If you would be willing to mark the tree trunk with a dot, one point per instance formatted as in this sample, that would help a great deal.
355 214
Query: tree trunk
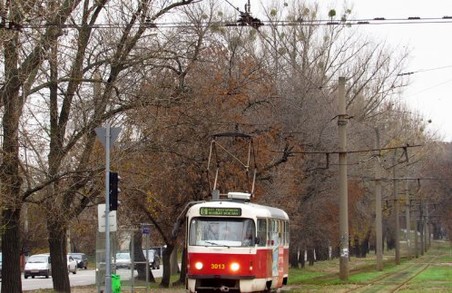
11 275
174 262
183 268
167 266
356 248
321 252
311 259
138 256
293 258
57 246
10 180
365 245
302 258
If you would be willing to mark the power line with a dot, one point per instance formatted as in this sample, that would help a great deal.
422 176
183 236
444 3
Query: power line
7 24
424 70
435 68
355 151
431 87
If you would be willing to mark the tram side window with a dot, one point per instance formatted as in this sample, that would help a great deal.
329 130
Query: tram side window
286 232
262 232
282 232
278 231
273 232
248 233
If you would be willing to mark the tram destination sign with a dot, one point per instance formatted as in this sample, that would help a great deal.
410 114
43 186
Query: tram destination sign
209 211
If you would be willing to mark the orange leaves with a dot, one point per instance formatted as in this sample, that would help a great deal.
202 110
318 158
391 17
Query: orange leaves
360 219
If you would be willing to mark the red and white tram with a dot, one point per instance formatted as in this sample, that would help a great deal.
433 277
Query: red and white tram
236 246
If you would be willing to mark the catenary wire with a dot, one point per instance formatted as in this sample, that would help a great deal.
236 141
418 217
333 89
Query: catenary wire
322 22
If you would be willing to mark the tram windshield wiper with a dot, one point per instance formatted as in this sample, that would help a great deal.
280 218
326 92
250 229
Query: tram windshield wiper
212 243
215 244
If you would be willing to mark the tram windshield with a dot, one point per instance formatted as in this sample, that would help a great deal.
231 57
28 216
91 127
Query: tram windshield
206 231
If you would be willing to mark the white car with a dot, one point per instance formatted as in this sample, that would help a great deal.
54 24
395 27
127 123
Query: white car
123 260
71 265
38 265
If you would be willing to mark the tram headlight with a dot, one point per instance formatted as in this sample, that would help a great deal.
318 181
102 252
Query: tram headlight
198 265
235 266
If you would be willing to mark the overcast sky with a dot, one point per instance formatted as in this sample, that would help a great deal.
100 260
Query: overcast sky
430 89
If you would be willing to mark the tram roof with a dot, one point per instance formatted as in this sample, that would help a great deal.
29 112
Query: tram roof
248 208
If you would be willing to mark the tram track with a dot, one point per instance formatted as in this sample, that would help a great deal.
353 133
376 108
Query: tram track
394 281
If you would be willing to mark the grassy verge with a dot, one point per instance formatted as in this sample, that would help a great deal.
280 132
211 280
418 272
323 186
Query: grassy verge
324 276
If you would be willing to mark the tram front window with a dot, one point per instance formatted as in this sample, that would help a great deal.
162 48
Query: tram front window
222 232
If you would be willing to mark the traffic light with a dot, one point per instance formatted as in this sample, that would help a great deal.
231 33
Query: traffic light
113 191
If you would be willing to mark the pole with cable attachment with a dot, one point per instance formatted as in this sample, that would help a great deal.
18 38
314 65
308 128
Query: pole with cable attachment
343 188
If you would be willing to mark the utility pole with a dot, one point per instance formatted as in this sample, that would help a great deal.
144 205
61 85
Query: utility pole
407 218
378 208
343 188
421 226
396 212
427 229
416 243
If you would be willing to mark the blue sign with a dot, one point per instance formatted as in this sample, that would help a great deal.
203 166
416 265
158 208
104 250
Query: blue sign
146 230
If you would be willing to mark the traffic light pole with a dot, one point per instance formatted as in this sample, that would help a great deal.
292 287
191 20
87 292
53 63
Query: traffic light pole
107 136
107 211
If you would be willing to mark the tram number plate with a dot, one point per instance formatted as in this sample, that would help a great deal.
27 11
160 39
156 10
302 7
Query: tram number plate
217 266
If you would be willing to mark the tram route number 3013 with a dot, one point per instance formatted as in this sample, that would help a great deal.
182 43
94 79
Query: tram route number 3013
217 266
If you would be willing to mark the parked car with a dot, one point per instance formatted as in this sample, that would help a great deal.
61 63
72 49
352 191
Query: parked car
38 265
71 265
81 259
123 260
154 258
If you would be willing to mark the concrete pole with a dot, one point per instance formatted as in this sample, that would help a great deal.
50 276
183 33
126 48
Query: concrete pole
416 240
378 207
424 226
396 212
343 188
421 227
407 218
427 229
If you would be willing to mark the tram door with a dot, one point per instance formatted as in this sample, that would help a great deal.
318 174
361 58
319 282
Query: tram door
277 245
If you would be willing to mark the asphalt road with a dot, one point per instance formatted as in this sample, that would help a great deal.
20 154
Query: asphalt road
82 278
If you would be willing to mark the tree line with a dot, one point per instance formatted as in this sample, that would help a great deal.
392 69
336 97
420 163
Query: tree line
71 66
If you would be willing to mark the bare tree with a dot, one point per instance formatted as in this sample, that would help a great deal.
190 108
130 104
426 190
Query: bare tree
20 69
306 61
68 38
